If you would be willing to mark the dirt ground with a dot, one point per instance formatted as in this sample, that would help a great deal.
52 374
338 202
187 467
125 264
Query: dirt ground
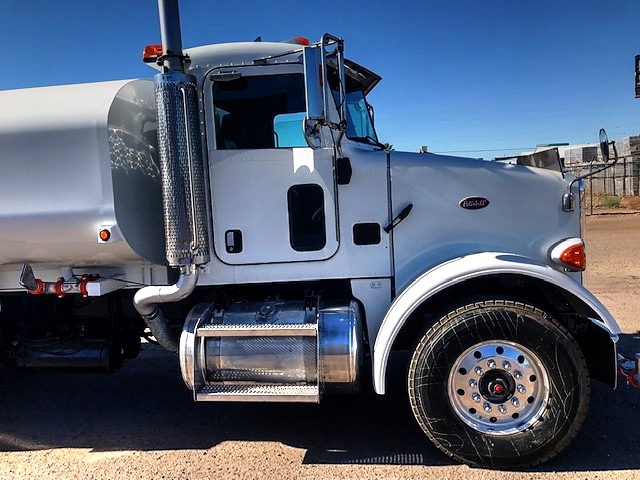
613 258
142 422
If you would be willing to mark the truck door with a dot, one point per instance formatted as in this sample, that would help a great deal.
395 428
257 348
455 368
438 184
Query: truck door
273 197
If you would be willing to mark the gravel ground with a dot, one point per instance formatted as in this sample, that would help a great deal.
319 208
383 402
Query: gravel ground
142 422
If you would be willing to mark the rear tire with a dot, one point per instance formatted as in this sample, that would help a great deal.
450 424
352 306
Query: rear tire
498 384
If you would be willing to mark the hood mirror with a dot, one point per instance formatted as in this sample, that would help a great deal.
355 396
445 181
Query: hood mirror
604 145
568 201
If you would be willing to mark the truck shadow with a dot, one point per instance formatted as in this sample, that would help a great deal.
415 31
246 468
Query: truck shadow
147 407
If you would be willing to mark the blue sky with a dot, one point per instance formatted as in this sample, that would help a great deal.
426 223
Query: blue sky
473 78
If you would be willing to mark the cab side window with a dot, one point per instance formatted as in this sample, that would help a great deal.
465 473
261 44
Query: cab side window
259 111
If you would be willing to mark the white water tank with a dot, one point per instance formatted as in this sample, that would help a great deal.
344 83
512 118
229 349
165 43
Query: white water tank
73 159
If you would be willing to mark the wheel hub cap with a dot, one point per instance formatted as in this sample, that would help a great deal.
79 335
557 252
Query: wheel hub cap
498 387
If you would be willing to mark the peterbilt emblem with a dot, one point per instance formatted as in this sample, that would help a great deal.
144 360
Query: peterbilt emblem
474 203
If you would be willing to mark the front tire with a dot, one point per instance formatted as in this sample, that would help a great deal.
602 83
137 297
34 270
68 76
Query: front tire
498 384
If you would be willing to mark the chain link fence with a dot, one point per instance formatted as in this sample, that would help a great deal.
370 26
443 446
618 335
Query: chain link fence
608 188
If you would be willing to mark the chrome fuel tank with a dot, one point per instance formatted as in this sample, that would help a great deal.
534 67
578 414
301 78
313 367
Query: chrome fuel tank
234 353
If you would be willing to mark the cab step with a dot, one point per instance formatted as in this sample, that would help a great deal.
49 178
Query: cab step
250 330
258 393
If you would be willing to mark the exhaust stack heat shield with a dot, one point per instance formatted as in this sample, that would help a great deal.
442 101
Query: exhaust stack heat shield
182 169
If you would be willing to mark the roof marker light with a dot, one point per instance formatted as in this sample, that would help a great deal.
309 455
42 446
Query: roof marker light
151 53
297 40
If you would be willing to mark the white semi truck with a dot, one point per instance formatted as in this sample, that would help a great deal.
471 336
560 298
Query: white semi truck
240 211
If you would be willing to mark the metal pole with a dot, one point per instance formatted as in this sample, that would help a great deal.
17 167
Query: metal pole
624 177
613 180
636 175
173 58
591 192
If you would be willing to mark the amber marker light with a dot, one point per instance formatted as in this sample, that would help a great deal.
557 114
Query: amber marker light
570 254
151 53
574 257
104 235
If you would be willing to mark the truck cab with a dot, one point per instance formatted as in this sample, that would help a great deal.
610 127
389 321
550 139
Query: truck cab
300 252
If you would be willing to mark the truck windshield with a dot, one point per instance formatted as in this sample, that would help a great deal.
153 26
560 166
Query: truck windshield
259 111
359 121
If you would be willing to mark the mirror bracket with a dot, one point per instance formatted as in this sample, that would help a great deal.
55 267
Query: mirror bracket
568 202
568 198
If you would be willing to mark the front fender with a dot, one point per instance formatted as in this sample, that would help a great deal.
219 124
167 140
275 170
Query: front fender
459 270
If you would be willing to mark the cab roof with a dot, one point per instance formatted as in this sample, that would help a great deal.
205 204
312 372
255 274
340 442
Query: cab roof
266 53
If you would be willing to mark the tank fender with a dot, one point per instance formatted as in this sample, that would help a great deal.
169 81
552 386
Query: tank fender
465 268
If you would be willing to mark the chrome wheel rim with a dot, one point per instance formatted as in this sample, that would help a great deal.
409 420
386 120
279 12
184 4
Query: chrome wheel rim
498 387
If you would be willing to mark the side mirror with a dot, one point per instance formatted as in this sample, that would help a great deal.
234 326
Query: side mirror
314 83
314 92
604 145
317 91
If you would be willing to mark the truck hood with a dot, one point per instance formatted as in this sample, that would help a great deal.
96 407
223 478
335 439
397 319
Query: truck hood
463 206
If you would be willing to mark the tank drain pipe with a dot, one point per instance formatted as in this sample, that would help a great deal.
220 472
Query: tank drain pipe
146 302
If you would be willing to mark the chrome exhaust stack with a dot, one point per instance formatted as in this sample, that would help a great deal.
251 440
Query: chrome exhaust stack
182 170
183 179
172 57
